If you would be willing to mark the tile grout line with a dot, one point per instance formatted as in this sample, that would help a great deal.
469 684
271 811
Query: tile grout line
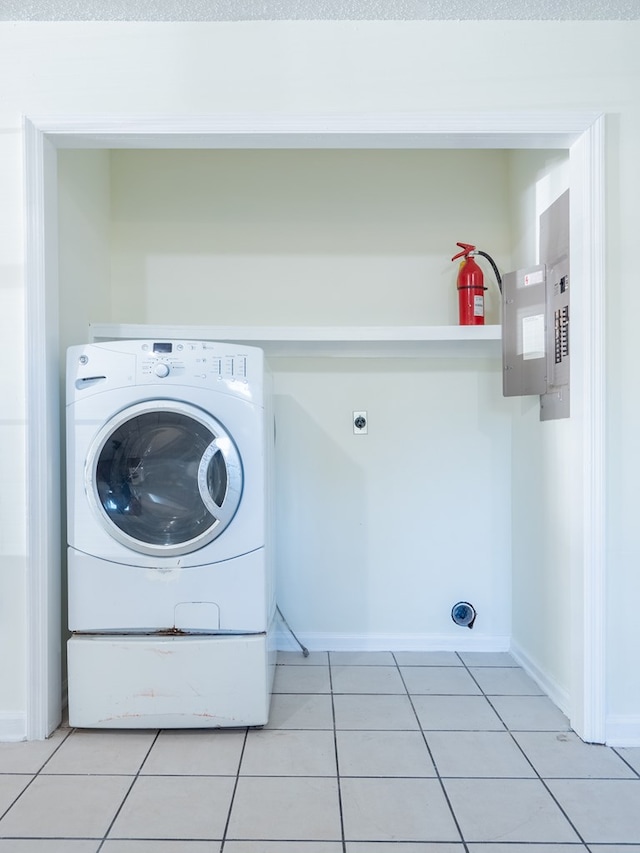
126 796
527 759
34 776
545 731
623 759
335 746
435 766
62 742
233 793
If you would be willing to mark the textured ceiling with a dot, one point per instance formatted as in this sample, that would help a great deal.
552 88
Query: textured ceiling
247 10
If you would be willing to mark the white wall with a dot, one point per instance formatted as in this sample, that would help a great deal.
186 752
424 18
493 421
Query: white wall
301 237
541 466
84 238
313 68
84 226
379 535
13 518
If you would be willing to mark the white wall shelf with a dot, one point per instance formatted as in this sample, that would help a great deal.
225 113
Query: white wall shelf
326 341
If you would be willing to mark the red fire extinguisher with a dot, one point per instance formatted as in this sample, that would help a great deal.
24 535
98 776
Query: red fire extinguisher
470 286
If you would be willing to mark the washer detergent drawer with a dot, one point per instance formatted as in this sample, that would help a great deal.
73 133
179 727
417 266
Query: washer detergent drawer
169 682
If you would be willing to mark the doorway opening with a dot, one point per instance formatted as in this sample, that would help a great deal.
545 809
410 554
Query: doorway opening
582 135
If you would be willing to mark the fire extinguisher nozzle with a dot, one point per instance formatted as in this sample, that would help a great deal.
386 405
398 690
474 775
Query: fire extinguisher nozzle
467 249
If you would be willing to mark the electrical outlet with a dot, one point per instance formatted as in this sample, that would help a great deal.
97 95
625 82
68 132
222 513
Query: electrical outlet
360 423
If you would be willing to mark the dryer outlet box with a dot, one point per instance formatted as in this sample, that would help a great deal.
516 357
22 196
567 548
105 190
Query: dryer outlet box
360 423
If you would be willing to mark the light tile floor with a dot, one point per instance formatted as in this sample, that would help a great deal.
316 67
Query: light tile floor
364 753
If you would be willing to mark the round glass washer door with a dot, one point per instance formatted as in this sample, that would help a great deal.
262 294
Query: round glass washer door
164 478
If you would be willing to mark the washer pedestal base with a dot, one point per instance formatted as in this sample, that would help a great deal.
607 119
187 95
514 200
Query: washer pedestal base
191 681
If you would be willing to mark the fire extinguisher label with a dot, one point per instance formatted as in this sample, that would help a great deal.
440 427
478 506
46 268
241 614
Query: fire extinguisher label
478 306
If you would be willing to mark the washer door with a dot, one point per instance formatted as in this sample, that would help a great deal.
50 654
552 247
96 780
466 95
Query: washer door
163 478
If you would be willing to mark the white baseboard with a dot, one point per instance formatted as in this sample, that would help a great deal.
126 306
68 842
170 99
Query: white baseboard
558 695
622 730
13 726
330 642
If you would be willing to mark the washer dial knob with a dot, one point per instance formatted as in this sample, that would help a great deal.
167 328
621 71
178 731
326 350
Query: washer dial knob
161 370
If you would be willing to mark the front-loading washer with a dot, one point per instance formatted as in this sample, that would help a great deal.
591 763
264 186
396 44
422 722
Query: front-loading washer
169 514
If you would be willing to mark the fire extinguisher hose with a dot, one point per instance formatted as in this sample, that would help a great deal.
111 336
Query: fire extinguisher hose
495 268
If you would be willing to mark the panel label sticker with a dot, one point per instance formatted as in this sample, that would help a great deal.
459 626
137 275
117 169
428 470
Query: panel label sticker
533 337
536 277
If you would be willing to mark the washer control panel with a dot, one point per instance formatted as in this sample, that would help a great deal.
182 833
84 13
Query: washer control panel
160 360
163 366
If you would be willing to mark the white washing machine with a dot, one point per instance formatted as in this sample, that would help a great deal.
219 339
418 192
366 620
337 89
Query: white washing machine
170 572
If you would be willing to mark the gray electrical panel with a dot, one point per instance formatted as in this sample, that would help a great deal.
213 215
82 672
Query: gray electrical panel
524 348
535 320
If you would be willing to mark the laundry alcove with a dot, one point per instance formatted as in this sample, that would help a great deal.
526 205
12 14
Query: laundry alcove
446 498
